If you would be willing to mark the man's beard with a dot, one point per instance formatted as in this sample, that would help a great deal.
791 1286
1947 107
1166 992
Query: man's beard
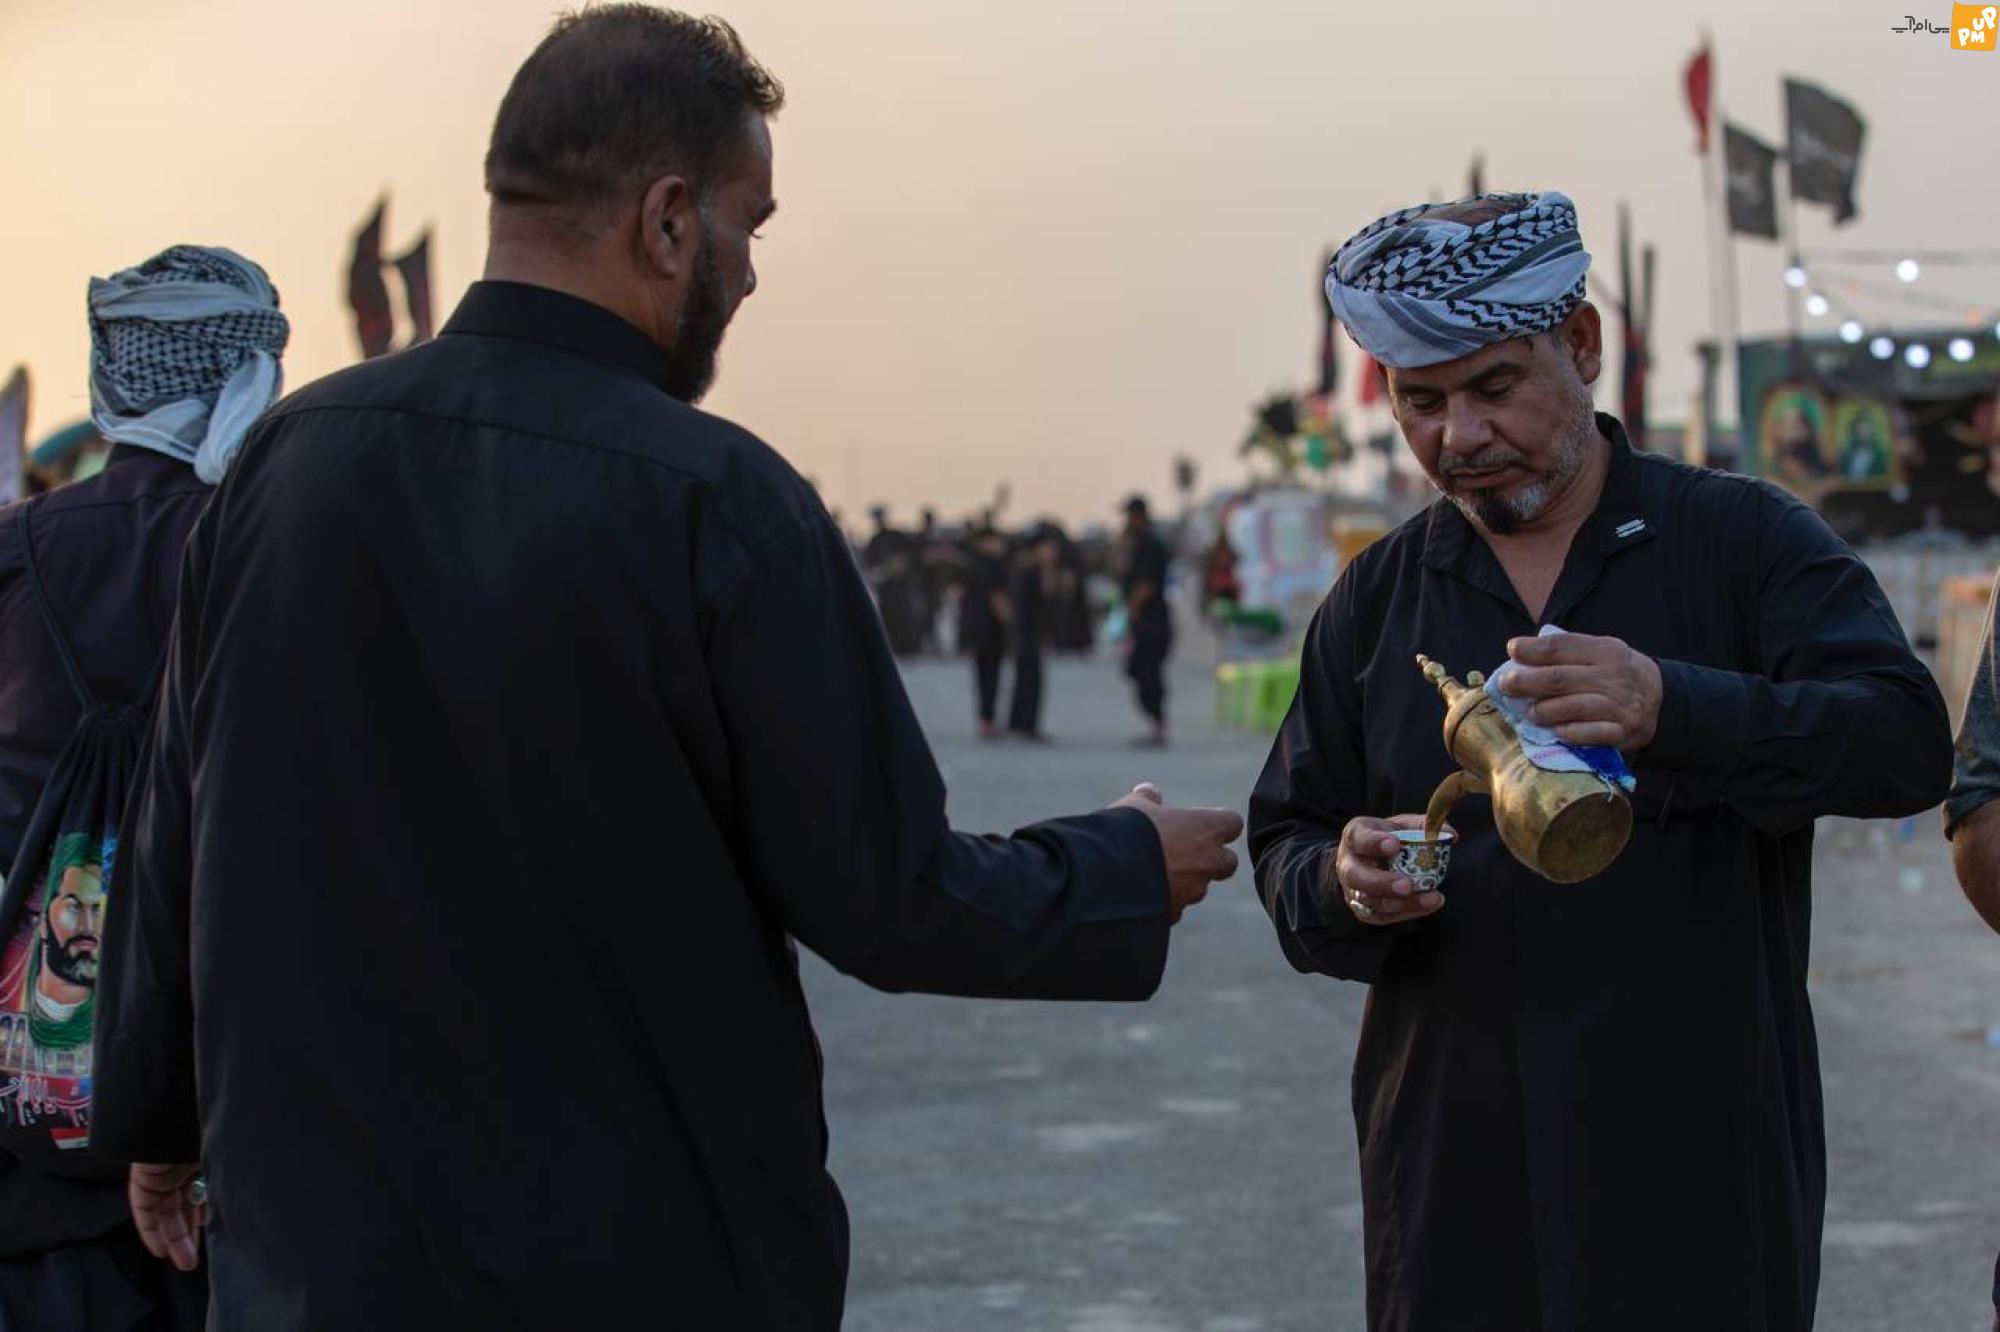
691 361
1506 513
68 962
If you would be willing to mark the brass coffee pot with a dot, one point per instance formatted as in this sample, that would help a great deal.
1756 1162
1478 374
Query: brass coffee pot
1565 826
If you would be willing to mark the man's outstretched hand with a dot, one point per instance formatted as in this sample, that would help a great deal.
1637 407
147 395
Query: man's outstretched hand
1195 842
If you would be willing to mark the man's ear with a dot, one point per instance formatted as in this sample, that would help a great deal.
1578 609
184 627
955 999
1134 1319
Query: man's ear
1581 337
669 226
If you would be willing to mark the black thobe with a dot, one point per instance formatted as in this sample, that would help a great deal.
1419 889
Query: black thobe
1152 625
1028 597
982 631
518 717
1597 1106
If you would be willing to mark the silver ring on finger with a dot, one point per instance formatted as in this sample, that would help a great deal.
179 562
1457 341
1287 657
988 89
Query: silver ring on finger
1362 906
198 1191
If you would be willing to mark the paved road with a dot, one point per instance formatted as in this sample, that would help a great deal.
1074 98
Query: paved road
1188 1165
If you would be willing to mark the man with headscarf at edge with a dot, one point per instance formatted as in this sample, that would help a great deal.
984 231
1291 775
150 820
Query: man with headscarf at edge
184 354
520 720
1597 1105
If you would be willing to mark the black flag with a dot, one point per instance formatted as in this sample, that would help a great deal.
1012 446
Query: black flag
1329 358
1825 147
1752 186
367 293
415 268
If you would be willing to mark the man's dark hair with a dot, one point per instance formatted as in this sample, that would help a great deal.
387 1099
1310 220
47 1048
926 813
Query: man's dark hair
620 94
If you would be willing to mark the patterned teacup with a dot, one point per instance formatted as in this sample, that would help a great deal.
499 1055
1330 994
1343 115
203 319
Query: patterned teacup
1423 860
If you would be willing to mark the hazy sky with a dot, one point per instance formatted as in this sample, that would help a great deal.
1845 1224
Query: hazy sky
1051 241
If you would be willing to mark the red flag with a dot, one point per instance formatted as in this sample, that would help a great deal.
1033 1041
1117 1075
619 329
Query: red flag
415 267
1634 385
367 293
1699 79
1371 380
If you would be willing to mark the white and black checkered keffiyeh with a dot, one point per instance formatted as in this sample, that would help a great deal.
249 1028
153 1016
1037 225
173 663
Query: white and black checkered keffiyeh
184 354
1416 290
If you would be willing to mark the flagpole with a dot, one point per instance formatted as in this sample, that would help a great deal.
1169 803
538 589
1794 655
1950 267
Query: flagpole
1723 247
1627 298
1788 234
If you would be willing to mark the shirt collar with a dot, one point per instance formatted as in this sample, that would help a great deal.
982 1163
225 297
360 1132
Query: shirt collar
553 318
1619 520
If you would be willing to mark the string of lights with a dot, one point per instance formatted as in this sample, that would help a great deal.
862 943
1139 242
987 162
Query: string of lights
1823 296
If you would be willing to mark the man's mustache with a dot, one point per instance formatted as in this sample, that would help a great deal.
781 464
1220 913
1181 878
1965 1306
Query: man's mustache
1490 460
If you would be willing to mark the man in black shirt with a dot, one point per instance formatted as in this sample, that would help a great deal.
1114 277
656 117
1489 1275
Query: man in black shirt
167 340
1029 591
983 615
1150 623
535 714
1594 1105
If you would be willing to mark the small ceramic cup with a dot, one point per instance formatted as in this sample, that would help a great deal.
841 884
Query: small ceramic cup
1423 860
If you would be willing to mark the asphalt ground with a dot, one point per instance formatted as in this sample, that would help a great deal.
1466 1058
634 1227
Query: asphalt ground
1188 1164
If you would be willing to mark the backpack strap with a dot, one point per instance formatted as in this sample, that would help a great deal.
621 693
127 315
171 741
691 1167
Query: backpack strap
77 683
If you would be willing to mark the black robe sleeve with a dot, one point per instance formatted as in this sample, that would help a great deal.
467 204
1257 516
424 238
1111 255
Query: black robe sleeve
1315 780
839 819
1842 718
143 1101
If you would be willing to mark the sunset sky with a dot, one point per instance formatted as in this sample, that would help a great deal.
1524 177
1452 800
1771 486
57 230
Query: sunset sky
1052 242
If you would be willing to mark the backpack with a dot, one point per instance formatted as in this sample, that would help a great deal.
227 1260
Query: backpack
52 918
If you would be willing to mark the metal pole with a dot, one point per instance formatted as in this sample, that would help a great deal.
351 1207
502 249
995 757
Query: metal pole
1728 311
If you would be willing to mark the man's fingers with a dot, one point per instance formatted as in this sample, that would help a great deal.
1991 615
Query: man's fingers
149 1234
1361 877
1611 735
1149 793
1401 908
1224 866
165 1213
1574 708
1548 681
1558 649
1395 910
1369 844
1225 825
164 1228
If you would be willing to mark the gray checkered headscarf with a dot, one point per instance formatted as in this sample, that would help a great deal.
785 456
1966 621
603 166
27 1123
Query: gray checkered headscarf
1417 290
184 354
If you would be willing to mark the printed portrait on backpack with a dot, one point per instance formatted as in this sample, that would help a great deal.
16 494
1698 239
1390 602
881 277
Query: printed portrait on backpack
64 971
48 975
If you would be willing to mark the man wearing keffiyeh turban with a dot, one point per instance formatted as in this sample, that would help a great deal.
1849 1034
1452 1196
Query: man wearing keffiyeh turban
1597 1105
1449 294
184 354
